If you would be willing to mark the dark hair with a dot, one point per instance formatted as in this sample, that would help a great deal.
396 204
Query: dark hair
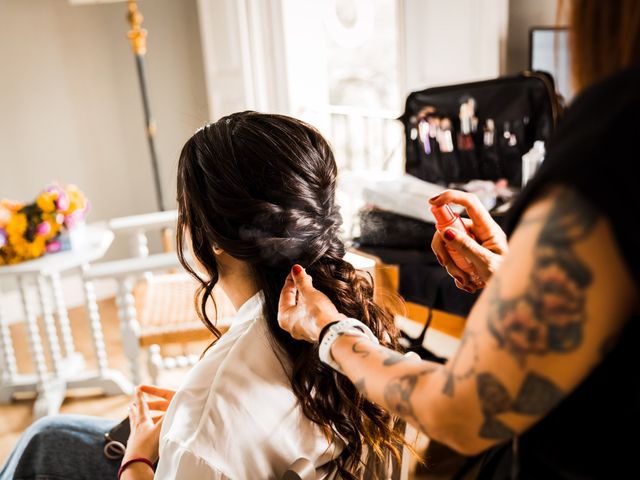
604 38
262 188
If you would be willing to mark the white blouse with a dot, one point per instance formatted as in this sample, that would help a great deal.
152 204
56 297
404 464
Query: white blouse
235 416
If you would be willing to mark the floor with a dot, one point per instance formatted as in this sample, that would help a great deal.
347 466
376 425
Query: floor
16 417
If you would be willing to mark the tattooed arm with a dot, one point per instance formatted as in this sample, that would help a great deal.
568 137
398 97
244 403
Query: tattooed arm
534 334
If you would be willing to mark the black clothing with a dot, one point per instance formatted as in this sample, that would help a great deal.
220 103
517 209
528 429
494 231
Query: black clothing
594 432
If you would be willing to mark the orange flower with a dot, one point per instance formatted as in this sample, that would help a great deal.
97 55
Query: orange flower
46 202
17 225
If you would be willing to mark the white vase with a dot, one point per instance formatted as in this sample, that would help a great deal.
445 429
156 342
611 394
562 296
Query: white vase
73 239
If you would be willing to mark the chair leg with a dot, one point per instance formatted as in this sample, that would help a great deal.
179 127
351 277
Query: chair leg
129 327
154 363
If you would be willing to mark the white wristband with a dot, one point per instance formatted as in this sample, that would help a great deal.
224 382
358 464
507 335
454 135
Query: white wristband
349 326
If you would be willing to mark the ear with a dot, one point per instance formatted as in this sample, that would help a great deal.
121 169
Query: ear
217 250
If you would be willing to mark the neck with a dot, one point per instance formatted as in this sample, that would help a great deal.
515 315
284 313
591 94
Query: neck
236 279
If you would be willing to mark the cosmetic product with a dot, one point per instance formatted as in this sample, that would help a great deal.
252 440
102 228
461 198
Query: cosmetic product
423 135
532 160
509 136
465 140
472 111
489 133
445 136
446 219
434 125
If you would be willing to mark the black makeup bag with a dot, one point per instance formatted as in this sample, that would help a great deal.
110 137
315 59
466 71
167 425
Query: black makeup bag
478 130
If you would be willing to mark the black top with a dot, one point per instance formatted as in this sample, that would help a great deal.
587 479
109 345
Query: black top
595 431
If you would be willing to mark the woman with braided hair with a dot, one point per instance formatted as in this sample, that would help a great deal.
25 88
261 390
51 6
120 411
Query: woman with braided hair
255 194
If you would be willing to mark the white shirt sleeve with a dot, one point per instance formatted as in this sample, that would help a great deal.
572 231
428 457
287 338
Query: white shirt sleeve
189 466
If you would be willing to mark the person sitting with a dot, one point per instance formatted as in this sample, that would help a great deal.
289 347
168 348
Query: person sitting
255 194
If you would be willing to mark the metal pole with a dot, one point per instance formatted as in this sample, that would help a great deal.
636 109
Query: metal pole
138 38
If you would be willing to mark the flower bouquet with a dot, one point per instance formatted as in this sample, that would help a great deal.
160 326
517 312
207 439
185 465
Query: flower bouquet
29 231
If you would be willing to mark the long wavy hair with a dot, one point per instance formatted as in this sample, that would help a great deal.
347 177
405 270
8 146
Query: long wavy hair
262 188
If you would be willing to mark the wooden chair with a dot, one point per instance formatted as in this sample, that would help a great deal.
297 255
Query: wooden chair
166 308
155 305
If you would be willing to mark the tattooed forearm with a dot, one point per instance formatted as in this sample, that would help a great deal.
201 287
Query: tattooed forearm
398 392
362 348
463 365
549 316
537 395
360 386
394 358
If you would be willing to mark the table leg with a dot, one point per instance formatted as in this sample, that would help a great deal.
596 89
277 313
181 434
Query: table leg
68 349
49 325
7 359
50 390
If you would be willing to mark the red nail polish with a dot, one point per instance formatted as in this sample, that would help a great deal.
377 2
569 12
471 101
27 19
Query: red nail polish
296 269
449 234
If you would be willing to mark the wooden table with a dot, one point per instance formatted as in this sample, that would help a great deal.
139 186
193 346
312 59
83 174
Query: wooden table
67 365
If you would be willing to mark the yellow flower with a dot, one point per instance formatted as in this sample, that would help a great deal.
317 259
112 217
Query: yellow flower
77 200
17 225
25 250
46 202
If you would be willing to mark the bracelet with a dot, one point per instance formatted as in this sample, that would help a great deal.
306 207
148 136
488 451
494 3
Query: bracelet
325 328
349 326
126 464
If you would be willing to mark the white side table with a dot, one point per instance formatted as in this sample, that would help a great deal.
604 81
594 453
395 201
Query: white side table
68 366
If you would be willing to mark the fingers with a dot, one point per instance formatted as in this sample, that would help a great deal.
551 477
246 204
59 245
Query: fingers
158 406
303 282
132 419
287 295
476 210
462 278
479 256
440 250
142 409
165 393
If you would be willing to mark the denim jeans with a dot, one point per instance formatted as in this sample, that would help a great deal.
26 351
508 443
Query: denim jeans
62 447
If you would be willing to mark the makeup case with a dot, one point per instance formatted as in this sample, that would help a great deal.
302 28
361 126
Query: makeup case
478 130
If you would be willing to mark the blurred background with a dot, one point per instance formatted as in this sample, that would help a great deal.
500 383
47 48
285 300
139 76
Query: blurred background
72 111
70 106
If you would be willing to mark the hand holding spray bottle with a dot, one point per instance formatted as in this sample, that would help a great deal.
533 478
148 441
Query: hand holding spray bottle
447 219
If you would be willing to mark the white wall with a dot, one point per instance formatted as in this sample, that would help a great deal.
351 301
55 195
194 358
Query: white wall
453 41
524 14
70 105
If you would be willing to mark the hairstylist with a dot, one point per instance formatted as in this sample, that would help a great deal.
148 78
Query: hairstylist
544 379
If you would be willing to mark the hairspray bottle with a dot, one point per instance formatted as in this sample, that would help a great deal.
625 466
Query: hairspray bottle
445 219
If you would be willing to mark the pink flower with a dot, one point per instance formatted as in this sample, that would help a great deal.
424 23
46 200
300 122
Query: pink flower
44 228
53 246
70 221
3 237
62 203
